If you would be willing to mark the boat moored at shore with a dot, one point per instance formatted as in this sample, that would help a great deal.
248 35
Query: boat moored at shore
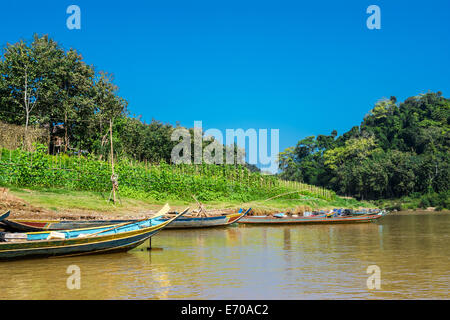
317 219
27 225
111 238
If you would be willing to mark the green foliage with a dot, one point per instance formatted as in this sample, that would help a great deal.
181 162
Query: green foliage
438 200
397 150
143 180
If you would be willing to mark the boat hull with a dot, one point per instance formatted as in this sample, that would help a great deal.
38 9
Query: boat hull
11 251
308 220
206 222
46 225
119 237
4 216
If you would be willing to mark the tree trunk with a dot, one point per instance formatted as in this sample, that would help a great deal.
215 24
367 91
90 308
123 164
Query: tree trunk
27 109
25 135
66 139
112 159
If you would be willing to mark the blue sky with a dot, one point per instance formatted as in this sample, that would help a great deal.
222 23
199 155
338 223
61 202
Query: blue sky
303 67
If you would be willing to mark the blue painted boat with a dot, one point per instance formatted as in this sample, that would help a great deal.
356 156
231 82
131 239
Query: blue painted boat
34 225
112 238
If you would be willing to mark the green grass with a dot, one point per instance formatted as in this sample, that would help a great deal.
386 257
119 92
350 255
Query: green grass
145 181
68 200
66 184
61 200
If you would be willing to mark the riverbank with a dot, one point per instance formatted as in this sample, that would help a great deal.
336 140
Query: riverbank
419 212
416 201
65 204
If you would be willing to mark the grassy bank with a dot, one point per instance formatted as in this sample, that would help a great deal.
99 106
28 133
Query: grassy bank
146 181
48 203
53 186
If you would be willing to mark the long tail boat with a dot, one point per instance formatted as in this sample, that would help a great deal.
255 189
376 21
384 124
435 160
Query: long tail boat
112 238
213 221
321 219
183 222
27 225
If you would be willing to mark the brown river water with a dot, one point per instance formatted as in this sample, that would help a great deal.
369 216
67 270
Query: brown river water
411 251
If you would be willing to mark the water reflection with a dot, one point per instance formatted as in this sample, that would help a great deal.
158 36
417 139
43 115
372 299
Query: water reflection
285 262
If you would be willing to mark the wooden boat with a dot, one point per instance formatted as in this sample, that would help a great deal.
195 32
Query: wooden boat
4 216
354 212
27 225
111 238
183 222
311 219
202 222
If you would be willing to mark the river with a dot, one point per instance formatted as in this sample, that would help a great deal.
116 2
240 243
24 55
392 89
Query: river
410 251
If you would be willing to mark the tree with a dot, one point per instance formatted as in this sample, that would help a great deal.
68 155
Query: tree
27 75
398 149
74 97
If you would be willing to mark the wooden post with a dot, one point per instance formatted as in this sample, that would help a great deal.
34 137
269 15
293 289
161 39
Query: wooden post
112 160
66 138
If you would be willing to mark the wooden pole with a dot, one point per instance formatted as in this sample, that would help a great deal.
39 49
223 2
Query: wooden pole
149 244
112 159
66 138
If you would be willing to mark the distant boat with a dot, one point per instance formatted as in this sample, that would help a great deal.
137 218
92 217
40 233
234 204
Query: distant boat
183 222
111 238
320 219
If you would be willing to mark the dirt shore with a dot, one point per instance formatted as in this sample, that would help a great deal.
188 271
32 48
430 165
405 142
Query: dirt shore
21 209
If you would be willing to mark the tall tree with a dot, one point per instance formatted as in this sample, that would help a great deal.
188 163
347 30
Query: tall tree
27 75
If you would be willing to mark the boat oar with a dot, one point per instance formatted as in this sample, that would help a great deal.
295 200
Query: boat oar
160 213
4 216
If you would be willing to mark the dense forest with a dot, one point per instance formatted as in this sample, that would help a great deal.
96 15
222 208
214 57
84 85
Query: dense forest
398 150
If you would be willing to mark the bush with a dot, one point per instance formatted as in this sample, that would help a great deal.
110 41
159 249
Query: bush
424 202
396 206
441 200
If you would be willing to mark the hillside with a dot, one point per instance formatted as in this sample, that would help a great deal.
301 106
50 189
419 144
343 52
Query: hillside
399 150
